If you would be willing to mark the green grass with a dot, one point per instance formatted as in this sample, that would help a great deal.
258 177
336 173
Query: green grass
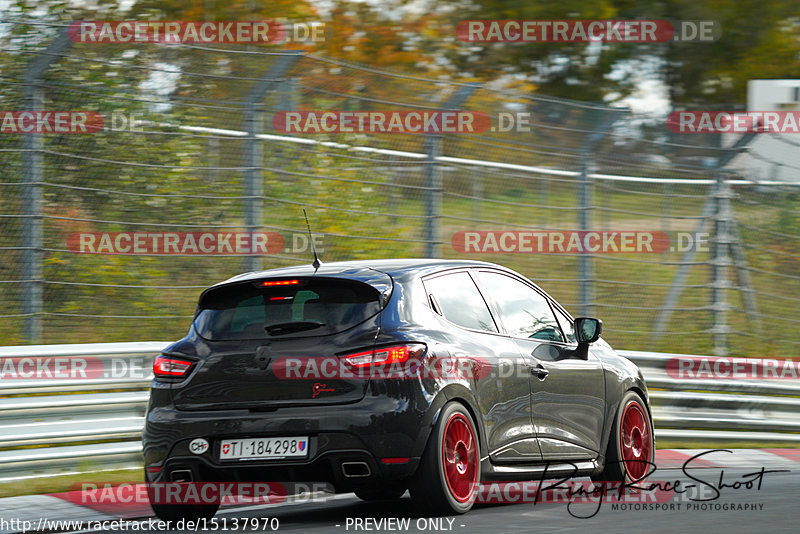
629 311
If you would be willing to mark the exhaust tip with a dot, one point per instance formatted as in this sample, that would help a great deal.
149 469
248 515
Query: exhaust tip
181 475
356 469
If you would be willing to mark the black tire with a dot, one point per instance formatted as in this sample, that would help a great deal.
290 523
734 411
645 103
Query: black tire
630 454
442 487
387 493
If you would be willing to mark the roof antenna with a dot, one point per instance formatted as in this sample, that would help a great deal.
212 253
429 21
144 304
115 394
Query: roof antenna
316 263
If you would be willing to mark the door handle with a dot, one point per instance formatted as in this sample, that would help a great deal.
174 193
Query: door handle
539 371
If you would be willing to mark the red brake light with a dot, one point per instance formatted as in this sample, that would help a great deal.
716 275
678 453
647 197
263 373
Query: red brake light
164 366
270 283
384 355
390 355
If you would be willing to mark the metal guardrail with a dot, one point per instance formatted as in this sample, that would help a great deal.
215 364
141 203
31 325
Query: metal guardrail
69 425
64 425
732 410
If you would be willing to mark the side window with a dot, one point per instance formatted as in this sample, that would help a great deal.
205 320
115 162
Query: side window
523 310
460 302
566 325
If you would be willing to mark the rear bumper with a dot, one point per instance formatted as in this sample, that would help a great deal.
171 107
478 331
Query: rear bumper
345 470
362 434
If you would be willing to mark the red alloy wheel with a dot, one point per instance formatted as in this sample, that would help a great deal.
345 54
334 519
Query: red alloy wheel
460 457
635 441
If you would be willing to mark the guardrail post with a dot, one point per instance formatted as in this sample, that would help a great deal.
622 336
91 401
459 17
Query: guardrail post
254 150
33 98
433 178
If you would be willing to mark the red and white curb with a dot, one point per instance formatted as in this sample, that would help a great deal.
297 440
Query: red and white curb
75 505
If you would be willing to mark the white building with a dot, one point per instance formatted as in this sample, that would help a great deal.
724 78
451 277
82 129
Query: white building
771 156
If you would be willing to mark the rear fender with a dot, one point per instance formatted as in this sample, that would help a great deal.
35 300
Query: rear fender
457 393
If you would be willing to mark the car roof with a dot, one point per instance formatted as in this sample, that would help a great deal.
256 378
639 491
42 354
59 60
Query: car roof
373 272
392 267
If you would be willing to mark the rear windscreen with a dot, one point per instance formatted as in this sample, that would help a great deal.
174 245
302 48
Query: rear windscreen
310 307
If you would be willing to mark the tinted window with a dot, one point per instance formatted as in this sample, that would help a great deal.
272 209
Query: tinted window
524 311
460 302
251 311
567 327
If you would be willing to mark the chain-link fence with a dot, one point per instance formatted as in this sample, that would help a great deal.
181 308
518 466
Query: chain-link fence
189 146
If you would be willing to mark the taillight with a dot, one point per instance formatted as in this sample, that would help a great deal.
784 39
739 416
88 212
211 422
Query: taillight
165 366
273 283
385 356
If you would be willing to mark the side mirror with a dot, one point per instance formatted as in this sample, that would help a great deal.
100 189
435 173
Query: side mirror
587 329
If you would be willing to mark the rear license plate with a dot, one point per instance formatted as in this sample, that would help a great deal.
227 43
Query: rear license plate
263 448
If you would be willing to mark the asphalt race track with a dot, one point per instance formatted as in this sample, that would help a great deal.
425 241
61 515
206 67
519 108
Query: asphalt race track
773 507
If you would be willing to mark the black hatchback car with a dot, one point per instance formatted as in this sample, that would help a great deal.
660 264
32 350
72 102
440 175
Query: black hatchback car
384 376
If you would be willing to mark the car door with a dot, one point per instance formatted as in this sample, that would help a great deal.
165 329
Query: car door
502 391
568 392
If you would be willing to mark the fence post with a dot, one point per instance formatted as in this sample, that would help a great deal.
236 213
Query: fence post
711 209
606 119
687 260
720 261
33 98
585 265
477 193
254 150
433 197
433 177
